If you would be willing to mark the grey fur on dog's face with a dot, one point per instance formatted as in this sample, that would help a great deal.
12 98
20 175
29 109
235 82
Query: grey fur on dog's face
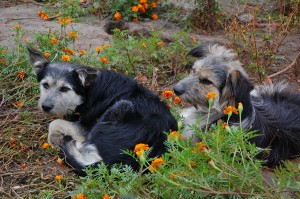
210 73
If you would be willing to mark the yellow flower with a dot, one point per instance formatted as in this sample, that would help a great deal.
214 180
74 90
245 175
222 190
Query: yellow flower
106 196
58 178
194 39
106 46
139 147
82 52
66 58
73 35
155 164
117 16
45 145
134 9
104 60
211 95
230 110
240 107
167 94
154 16
144 44
47 54
53 41
98 49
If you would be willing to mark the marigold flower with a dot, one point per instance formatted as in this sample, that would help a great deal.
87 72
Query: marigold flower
144 44
167 94
79 196
136 19
17 27
224 125
230 109
22 74
117 16
53 41
106 46
60 162
58 178
2 60
175 135
73 35
142 9
211 95
104 60
43 15
106 196
47 54
134 9
175 175
139 153
45 145
3 51
98 49
141 146
177 100
154 16
146 6
199 147
155 164
153 4
66 58
23 166
82 52
143 1
12 140
19 104
65 21
192 163
160 43
140 6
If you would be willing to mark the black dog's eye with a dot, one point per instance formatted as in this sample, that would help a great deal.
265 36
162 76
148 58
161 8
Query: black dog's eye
205 81
45 85
64 89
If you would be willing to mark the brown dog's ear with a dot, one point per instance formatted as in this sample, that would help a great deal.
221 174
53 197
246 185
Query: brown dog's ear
86 76
238 87
37 59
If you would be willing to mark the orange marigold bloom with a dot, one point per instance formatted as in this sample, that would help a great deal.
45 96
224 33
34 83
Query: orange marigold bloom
53 41
3 51
199 147
22 74
17 27
104 60
19 104
73 35
154 16
175 134
45 145
177 100
79 196
82 52
98 49
66 58
23 166
167 94
192 163
224 125
136 19
58 178
141 146
140 6
194 39
139 153
59 161
117 16
175 174
160 43
143 1
106 196
134 9
142 9
230 110
153 4
65 21
106 46
211 95
146 6
155 164
47 54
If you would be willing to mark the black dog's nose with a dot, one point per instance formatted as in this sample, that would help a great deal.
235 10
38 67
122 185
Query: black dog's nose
47 108
178 90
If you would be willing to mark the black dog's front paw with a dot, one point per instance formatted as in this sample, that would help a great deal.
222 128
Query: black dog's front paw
118 111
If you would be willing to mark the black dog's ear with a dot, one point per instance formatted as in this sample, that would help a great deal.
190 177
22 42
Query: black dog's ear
239 86
200 51
86 76
37 59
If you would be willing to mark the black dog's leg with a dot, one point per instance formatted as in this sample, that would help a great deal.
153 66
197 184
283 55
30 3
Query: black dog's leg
118 112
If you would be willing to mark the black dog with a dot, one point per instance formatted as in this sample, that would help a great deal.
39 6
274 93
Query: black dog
116 113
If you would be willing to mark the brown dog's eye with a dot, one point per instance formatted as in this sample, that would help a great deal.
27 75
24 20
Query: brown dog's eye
45 85
64 89
205 81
